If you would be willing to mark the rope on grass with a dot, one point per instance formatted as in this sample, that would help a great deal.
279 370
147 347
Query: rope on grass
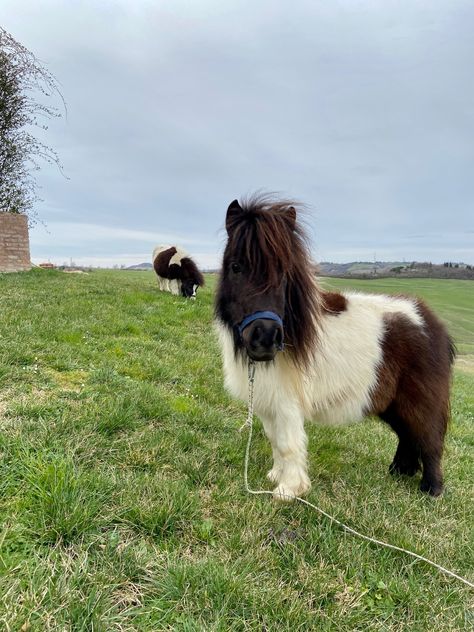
249 424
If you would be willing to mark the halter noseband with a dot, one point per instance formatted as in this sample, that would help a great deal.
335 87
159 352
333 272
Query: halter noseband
267 315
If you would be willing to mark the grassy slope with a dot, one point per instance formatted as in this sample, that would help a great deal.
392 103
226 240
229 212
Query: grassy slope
121 480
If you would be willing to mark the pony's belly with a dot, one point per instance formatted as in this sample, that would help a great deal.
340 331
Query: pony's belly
337 414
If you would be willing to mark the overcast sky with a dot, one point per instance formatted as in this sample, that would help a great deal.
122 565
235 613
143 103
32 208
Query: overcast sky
363 110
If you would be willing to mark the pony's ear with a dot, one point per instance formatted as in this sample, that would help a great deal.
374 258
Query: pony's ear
291 216
233 210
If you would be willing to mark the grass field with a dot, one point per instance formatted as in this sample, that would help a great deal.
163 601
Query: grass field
122 505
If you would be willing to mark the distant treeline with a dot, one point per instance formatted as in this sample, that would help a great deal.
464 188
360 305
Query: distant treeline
379 269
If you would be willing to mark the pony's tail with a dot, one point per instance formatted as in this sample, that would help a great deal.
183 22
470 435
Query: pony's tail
451 350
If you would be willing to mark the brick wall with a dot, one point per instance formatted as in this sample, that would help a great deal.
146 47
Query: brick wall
14 243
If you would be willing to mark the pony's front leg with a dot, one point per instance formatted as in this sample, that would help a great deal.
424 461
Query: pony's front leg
269 426
288 438
175 287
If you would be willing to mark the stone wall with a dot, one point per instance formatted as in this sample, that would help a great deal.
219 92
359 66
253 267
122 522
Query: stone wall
14 243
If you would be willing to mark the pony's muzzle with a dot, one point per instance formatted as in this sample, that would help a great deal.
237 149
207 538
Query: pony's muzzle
262 339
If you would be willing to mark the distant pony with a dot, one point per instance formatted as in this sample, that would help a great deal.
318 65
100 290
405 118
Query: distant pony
327 356
177 272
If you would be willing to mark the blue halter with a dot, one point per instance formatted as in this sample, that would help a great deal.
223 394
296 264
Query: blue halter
256 316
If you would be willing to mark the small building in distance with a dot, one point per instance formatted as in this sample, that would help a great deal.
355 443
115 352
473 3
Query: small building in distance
14 243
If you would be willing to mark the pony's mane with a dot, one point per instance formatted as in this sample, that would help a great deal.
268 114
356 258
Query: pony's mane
273 244
192 271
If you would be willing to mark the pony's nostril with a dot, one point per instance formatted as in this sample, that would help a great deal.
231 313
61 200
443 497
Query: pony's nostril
256 335
266 337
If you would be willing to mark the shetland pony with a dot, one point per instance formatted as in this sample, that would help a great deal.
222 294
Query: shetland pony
326 356
177 273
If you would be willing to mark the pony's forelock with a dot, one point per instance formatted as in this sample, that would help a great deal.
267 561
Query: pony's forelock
264 237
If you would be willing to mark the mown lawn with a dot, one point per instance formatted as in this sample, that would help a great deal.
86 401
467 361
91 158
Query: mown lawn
122 505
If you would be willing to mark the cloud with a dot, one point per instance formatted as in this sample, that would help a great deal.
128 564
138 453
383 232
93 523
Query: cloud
88 233
93 244
361 110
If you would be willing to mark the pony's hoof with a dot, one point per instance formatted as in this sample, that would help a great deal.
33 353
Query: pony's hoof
274 475
433 488
283 494
287 493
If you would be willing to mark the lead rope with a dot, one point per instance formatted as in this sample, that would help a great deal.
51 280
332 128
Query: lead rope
249 424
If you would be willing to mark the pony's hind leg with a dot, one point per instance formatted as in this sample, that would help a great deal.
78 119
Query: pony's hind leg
406 460
419 440
431 455
428 428
407 457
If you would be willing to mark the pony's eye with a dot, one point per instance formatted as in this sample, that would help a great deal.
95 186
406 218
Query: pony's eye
236 268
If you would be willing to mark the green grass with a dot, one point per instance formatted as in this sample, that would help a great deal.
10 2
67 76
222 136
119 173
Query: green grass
121 497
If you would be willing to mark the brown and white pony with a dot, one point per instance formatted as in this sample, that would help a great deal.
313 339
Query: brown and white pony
326 356
177 273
